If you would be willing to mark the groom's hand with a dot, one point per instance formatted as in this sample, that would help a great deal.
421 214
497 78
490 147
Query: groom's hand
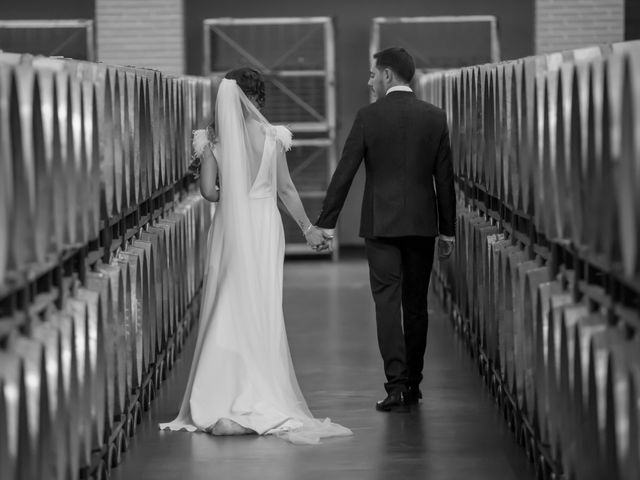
445 247
327 234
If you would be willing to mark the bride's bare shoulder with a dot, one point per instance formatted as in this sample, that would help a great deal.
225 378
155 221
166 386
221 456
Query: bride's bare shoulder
255 128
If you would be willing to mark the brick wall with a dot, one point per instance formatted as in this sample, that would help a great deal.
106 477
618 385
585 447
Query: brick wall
146 33
568 24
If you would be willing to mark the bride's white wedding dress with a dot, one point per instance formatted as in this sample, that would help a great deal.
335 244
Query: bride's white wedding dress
242 379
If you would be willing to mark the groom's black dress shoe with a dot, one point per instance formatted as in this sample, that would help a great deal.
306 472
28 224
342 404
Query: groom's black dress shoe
414 395
395 402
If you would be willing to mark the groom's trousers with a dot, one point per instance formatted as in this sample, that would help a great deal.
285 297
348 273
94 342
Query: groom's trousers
399 271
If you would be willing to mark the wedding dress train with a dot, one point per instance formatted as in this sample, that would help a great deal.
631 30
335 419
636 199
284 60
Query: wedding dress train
242 379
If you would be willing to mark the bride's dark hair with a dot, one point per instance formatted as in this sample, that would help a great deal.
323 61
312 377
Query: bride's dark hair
250 82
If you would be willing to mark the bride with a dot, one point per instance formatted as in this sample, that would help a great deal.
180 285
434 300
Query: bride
242 379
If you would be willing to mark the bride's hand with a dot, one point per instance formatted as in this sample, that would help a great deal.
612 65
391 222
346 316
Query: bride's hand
314 236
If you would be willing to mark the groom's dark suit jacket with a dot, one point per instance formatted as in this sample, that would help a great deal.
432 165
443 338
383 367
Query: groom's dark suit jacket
405 146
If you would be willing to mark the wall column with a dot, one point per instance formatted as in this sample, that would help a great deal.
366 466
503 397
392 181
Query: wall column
144 33
569 24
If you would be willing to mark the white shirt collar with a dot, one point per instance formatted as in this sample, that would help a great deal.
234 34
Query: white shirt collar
399 88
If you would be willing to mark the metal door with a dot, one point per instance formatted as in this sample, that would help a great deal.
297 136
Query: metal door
438 43
297 58
63 38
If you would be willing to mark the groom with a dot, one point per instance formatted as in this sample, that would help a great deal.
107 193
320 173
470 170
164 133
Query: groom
405 146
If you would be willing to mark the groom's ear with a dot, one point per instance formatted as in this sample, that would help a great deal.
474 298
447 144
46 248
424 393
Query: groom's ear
388 75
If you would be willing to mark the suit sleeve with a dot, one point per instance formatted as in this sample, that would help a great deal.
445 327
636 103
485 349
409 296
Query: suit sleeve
352 155
446 195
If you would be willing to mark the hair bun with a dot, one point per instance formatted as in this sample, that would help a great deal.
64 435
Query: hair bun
250 82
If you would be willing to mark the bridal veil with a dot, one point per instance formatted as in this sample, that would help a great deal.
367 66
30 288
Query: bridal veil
242 379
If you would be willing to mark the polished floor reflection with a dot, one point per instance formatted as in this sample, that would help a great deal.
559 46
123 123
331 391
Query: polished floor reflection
455 434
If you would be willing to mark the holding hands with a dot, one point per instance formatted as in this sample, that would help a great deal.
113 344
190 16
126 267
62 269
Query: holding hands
319 239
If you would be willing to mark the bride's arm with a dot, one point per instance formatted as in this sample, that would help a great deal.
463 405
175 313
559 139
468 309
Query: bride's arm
208 175
288 195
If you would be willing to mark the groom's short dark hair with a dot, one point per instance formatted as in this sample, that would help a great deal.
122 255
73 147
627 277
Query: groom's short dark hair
398 60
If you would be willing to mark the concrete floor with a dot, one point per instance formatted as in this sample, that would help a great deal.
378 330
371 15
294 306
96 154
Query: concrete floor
455 434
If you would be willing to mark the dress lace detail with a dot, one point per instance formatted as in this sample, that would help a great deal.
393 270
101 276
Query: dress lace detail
199 142
284 137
